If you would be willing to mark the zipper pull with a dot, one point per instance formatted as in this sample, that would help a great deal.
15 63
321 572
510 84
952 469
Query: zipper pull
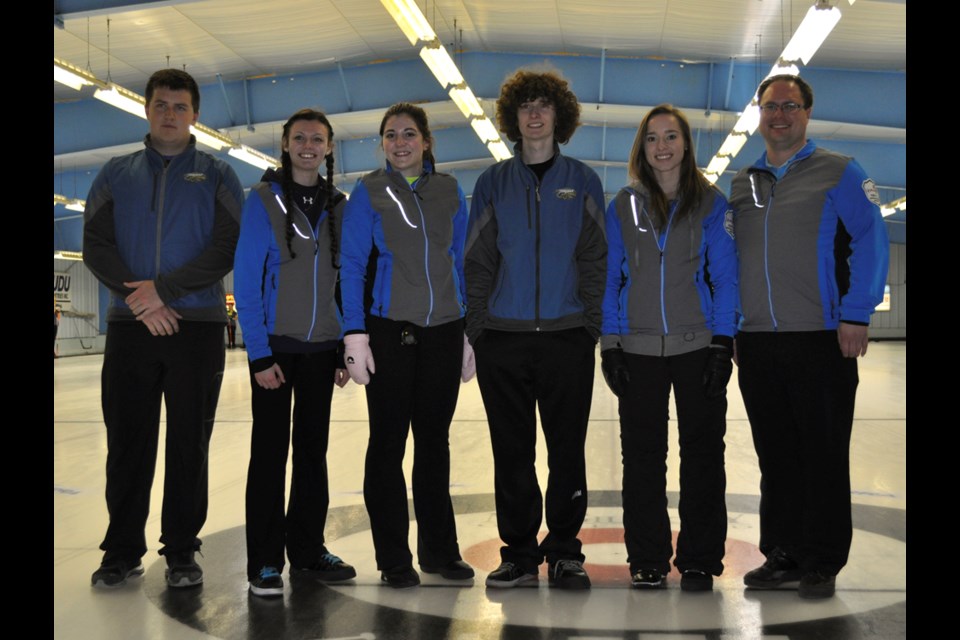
538 192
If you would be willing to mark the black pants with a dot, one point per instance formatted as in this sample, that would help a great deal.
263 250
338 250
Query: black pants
701 421
414 386
799 392
309 378
185 371
517 373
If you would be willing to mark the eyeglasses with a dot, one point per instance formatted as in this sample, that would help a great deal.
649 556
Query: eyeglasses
788 108
538 107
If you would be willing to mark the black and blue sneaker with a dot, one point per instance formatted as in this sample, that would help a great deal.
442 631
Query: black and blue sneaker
268 584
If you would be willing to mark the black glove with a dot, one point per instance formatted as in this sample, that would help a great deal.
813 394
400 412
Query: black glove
615 372
717 370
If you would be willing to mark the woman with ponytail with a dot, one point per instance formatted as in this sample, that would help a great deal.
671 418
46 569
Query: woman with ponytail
285 280
406 347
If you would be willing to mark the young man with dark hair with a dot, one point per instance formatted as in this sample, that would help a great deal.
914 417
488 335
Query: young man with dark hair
535 271
160 229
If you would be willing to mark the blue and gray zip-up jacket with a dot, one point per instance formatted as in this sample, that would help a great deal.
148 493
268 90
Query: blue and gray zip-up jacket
536 251
669 290
175 223
283 298
418 230
812 244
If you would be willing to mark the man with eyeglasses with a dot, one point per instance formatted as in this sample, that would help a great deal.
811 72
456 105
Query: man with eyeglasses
813 255
535 268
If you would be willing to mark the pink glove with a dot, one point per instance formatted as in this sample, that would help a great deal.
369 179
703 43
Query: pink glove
469 368
359 358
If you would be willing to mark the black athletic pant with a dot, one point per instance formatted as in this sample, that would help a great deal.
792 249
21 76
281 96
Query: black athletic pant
139 370
269 529
415 385
701 421
799 392
518 373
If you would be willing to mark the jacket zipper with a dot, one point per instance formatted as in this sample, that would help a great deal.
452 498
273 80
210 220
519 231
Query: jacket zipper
160 203
426 250
316 259
766 262
661 248
537 291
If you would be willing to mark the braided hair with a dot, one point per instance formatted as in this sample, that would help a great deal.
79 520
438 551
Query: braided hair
330 194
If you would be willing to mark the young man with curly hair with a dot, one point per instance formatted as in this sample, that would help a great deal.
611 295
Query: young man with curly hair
535 268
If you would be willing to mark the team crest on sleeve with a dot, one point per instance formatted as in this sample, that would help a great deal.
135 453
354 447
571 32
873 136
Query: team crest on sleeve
566 193
195 177
870 190
728 223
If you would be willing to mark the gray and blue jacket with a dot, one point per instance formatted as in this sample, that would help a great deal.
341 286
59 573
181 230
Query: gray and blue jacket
279 295
669 290
418 230
812 244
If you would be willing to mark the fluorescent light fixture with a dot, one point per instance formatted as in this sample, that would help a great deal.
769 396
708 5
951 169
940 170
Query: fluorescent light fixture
732 145
900 204
254 157
67 255
499 150
783 69
414 25
213 139
410 19
749 120
124 99
441 65
820 20
485 129
73 77
73 204
466 101
717 165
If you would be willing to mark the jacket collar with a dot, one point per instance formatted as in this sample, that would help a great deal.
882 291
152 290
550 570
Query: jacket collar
518 151
192 145
805 152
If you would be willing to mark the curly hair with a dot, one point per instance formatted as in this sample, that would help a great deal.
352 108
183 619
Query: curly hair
527 86
287 179
692 184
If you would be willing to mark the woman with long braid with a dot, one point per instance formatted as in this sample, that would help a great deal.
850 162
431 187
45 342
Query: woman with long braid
285 280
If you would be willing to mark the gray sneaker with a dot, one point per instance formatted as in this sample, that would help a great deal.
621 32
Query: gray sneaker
114 574
182 570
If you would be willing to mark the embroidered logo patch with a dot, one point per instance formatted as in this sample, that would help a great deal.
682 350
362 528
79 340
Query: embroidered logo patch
728 223
870 190
566 193
195 177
